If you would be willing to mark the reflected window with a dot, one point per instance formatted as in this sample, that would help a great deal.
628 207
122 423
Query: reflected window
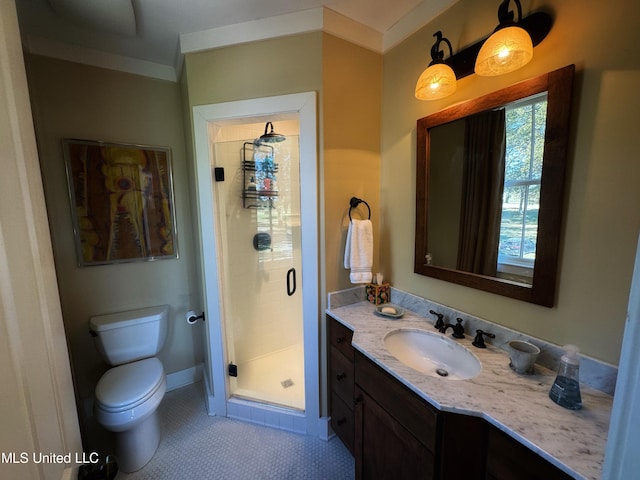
279 213
525 132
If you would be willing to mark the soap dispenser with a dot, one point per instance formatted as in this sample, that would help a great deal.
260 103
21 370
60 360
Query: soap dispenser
566 388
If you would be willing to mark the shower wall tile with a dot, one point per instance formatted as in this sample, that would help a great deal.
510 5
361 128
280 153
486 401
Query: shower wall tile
258 314
266 415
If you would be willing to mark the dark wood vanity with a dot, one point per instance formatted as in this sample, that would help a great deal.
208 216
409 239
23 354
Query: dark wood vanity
394 433
341 381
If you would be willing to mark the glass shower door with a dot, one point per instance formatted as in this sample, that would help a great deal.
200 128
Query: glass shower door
260 253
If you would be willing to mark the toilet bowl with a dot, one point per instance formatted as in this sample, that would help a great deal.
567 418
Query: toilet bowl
127 396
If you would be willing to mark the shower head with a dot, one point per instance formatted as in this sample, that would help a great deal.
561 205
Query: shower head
269 137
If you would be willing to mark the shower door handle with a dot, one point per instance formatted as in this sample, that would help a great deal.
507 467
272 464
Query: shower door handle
291 286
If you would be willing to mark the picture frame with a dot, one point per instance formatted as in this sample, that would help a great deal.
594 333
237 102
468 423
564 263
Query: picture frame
122 202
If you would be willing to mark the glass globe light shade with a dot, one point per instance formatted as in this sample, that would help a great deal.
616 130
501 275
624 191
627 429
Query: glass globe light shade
437 81
505 51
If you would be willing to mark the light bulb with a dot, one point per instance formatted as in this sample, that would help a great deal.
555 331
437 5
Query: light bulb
505 51
437 81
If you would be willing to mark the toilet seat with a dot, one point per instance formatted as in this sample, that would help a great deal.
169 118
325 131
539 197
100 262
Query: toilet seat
127 386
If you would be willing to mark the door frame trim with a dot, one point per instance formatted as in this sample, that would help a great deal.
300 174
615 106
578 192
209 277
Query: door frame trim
304 104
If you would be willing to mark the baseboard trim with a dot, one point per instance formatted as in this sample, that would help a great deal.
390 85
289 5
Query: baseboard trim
184 377
325 432
208 397
70 473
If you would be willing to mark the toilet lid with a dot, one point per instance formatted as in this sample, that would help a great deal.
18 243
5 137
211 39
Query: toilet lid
130 384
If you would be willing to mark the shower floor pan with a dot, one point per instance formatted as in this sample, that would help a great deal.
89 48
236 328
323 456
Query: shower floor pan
276 379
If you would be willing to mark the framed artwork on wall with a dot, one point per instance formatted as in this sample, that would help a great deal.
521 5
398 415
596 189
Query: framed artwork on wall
121 202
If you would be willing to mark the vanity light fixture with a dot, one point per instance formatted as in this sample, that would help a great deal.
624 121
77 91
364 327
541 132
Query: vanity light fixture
508 48
534 27
438 80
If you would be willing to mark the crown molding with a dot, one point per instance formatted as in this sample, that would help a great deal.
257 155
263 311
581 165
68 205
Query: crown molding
312 20
424 13
97 58
354 32
256 30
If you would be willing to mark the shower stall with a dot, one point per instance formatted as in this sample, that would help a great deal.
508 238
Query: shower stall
259 225
257 203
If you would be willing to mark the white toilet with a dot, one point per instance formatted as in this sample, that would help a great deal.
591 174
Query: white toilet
128 395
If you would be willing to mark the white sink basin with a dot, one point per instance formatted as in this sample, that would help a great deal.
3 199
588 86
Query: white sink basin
432 354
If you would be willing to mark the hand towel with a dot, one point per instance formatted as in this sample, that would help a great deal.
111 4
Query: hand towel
358 252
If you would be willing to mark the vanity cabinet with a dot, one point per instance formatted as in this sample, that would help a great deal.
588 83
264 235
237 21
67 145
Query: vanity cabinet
341 381
394 433
463 447
508 459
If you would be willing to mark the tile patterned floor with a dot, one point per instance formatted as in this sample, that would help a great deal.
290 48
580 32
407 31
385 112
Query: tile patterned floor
196 446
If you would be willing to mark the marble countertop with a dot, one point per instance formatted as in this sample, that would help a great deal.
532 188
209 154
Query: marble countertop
519 405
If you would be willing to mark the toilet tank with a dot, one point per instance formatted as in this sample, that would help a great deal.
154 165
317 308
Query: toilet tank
125 337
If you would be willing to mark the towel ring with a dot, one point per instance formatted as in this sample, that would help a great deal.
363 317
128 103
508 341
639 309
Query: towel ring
354 202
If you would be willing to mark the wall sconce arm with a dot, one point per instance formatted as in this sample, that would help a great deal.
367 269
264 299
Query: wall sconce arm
437 55
505 16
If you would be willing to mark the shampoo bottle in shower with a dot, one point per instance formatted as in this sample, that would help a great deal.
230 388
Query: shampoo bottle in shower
566 388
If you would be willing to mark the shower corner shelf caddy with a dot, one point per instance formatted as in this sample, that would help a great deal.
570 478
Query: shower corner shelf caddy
260 197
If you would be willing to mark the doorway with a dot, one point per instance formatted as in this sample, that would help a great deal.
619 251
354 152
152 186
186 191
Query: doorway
260 252
257 209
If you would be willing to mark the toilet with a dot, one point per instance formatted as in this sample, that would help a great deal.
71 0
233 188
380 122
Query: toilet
127 396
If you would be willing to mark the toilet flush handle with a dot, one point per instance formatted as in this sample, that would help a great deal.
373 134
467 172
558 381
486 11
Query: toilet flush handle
93 333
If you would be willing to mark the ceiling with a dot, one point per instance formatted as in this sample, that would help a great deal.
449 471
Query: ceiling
152 30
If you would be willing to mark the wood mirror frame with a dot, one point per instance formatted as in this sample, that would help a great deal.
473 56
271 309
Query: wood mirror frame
558 85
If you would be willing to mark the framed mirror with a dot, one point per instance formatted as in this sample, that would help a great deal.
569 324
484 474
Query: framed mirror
490 180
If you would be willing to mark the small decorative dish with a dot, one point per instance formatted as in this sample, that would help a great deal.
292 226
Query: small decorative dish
389 310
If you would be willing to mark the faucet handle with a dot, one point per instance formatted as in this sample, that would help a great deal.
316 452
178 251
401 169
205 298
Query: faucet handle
458 329
478 341
439 322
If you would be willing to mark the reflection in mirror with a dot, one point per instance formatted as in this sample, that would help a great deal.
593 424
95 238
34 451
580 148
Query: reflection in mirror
486 215
485 173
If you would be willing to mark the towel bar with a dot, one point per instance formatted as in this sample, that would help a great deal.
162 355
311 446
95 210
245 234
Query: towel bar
354 202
